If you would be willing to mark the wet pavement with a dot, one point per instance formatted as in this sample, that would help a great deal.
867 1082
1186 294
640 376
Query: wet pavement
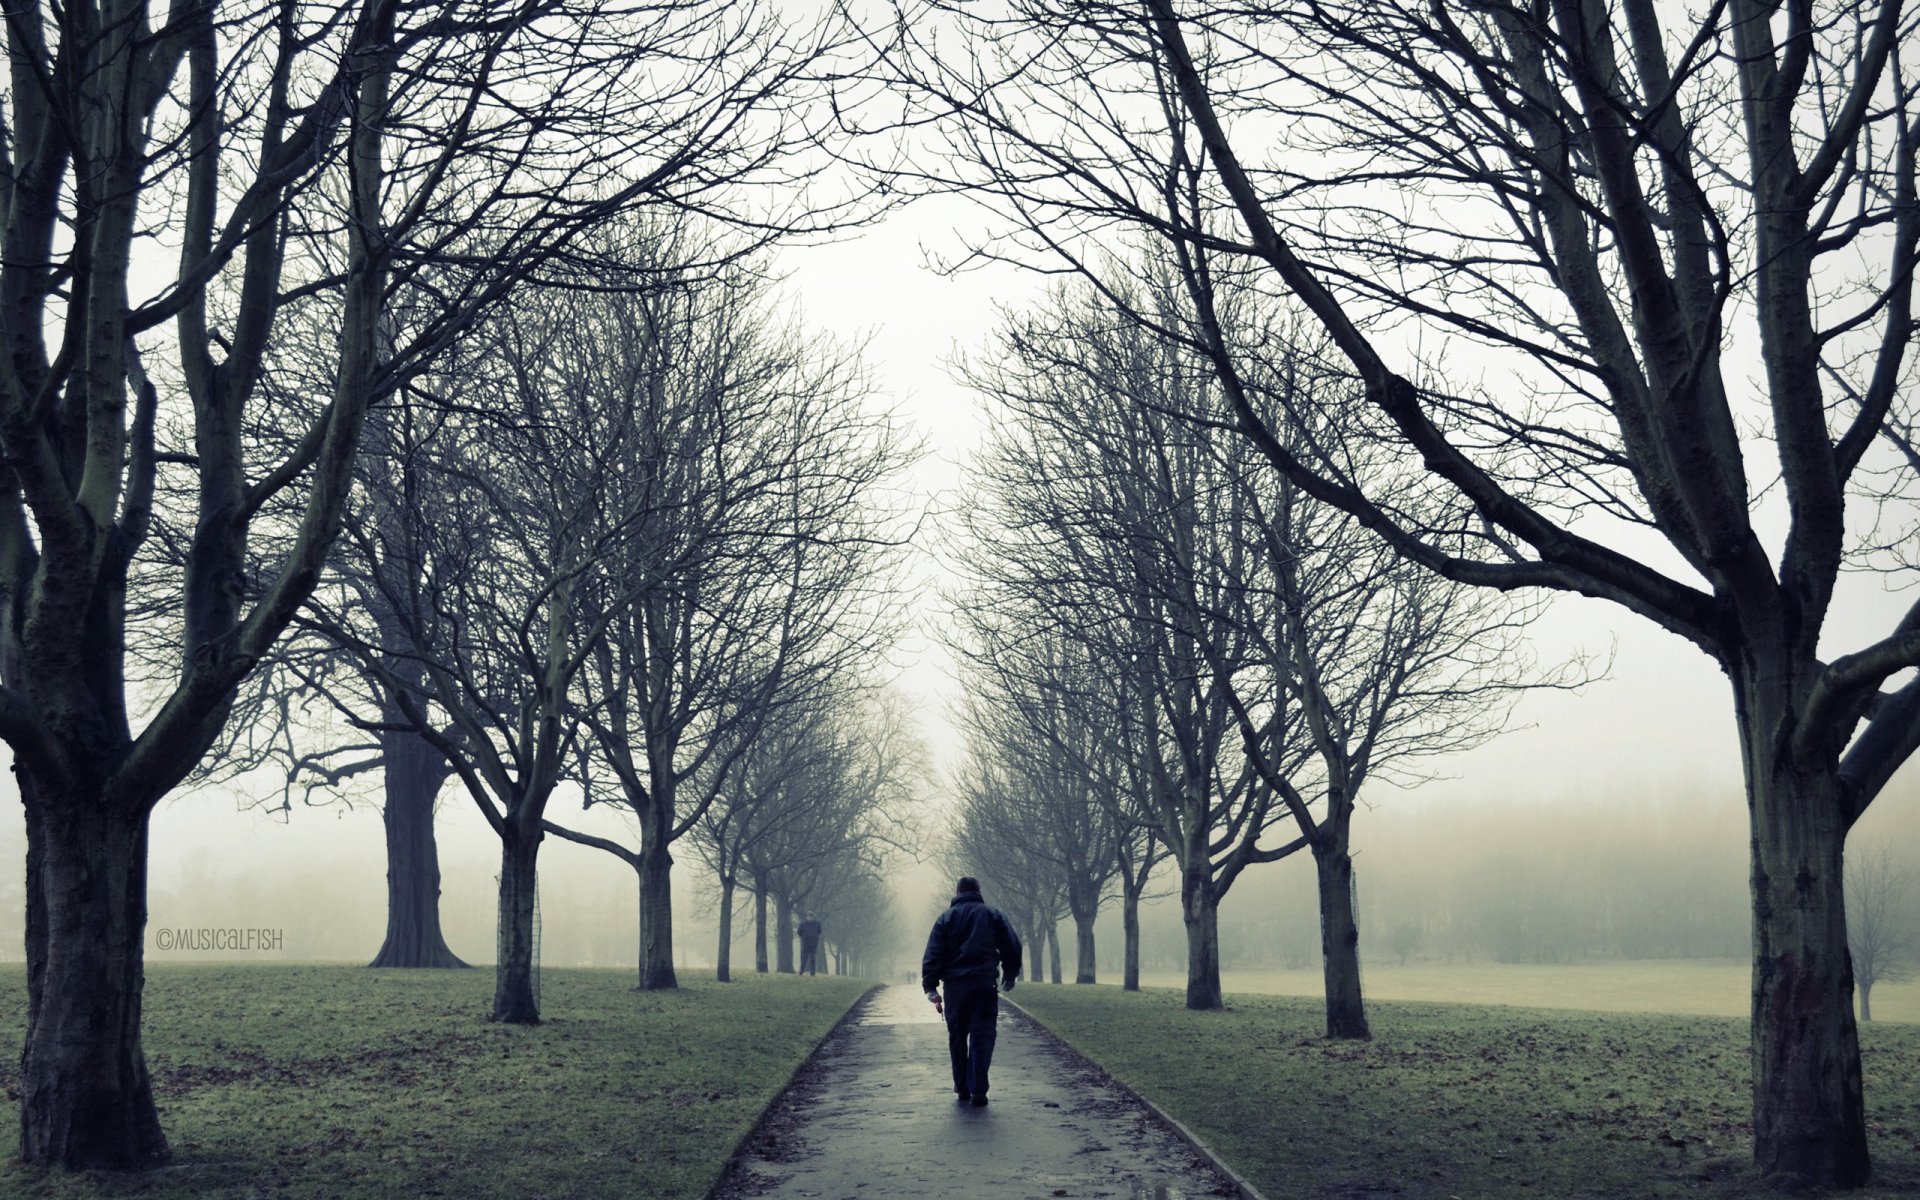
873 1115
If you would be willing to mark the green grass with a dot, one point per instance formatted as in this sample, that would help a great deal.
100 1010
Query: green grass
333 1081
1697 987
1466 1100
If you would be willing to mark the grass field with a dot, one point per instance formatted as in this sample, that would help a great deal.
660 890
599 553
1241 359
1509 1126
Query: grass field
1697 987
1466 1101
287 1081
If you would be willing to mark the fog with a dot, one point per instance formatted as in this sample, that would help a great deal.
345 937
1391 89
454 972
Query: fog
1605 823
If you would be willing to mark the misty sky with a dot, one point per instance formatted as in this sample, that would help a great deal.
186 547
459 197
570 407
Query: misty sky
1663 712
1661 724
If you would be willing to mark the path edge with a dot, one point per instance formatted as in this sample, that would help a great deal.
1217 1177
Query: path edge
1246 1189
731 1167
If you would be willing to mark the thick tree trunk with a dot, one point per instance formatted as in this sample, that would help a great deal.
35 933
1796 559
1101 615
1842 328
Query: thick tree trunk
1053 948
1130 926
656 910
414 773
760 928
723 948
86 1100
1037 954
1340 943
513 998
1083 902
1086 965
1866 1001
1809 1113
1200 911
783 934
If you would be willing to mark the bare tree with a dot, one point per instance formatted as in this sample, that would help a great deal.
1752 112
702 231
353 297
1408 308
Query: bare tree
1122 760
856 909
504 512
311 716
761 577
760 803
1535 234
320 155
1338 661
833 817
981 843
1880 918
1122 529
1043 735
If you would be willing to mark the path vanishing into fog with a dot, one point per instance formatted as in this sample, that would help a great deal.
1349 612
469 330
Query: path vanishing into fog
873 1115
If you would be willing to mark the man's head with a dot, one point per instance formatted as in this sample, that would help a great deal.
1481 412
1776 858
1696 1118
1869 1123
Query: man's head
809 916
967 884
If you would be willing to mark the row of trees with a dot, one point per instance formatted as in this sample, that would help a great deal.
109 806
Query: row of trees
239 247
805 824
1523 240
619 542
1179 653
625 541
1535 236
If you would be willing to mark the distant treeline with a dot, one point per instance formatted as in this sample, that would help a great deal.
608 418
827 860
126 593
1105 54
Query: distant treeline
1552 880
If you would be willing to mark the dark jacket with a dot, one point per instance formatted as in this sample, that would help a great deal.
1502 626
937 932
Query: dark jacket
970 941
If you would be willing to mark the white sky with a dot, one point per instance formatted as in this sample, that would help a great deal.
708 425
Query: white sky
1661 725
1664 712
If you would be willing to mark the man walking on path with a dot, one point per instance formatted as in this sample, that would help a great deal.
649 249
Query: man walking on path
971 945
810 946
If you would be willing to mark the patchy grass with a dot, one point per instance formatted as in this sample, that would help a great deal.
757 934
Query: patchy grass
1701 987
308 1081
1465 1100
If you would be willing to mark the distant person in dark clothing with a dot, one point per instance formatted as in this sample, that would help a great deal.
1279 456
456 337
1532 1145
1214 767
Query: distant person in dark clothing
810 946
971 947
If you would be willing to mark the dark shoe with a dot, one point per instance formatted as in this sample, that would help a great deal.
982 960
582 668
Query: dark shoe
961 1097
980 1101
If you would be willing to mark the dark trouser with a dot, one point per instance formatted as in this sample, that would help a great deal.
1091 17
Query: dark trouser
973 1006
809 958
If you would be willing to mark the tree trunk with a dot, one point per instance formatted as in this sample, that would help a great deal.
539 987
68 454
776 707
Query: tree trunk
1037 958
86 1100
1340 943
656 909
1086 967
1200 910
414 773
513 998
723 950
1866 1000
1130 926
1053 948
1809 1113
760 928
783 934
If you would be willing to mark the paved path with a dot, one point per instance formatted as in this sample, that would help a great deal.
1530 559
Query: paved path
872 1115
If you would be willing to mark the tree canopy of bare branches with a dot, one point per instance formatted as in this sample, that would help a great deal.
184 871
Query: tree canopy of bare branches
1143 538
172 185
1544 239
762 579
822 800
